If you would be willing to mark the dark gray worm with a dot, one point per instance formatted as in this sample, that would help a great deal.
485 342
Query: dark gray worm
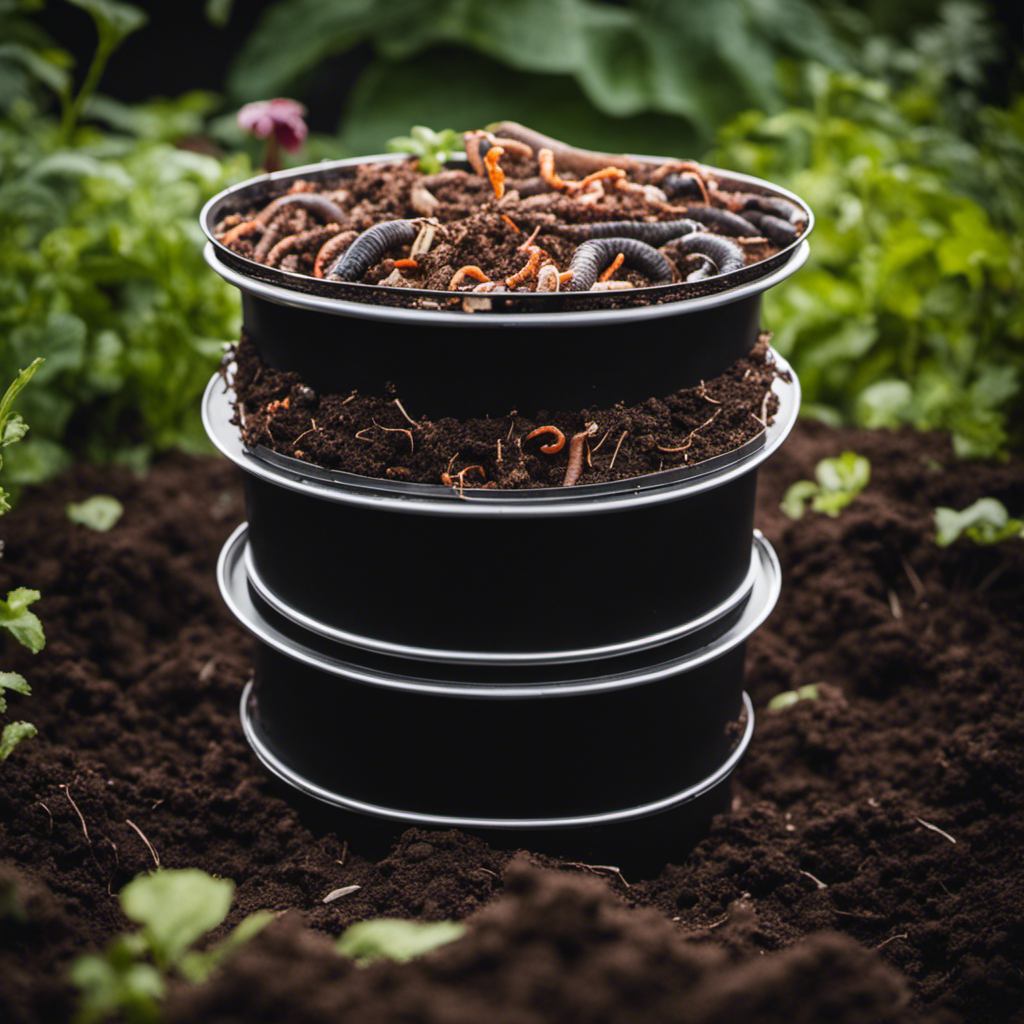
776 206
674 185
722 222
593 256
780 231
370 248
320 205
655 233
726 254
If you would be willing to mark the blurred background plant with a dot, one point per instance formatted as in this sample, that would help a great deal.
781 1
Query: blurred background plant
903 126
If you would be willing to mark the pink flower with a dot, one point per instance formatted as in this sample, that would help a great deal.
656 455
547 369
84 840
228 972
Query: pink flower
280 118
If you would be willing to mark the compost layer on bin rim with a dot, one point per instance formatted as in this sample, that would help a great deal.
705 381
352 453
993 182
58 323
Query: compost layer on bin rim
824 895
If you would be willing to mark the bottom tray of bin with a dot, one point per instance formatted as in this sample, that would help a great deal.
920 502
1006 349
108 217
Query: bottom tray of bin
571 758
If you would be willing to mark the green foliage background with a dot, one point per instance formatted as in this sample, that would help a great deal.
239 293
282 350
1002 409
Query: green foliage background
896 123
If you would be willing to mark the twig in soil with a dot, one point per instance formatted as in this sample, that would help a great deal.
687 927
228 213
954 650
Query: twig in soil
85 831
344 853
615 454
576 446
935 828
702 392
894 605
529 241
149 845
597 869
892 938
992 577
817 881
343 891
311 430
511 427
401 409
601 442
688 440
499 450
39 803
117 864
915 580
511 223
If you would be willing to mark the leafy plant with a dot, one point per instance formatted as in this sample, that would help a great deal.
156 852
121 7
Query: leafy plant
663 70
102 270
432 148
908 310
396 939
985 522
175 910
838 481
15 616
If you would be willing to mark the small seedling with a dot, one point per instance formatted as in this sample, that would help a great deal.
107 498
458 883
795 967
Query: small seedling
100 512
781 701
432 148
985 522
396 939
175 910
838 482
15 617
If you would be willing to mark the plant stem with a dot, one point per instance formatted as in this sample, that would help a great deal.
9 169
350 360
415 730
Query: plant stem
72 111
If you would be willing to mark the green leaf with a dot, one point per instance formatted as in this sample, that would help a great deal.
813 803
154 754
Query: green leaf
15 682
176 908
985 522
13 734
23 625
119 20
849 473
197 967
796 497
7 401
117 984
52 74
100 512
396 939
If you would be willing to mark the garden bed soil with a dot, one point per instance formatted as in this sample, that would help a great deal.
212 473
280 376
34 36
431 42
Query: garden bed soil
377 436
829 892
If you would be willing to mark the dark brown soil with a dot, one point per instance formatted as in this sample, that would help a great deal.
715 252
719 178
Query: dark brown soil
374 436
827 894
477 229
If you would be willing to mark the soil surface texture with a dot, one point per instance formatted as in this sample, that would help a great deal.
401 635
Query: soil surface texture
376 436
869 871
484 230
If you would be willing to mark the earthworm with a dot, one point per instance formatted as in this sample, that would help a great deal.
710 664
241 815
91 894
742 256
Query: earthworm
555 446
593 256
546 163
605 172
369 248
302 240
652 232
468 271
495 174
726 254
775 205
722 222
247 227
611 268
311 201
782 232
579 161
575 467
526 187
332 249
536 255
685 184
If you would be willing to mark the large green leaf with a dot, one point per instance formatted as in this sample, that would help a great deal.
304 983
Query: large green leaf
176 908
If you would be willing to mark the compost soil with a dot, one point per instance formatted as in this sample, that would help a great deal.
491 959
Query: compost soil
377 436
491 235
869 870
